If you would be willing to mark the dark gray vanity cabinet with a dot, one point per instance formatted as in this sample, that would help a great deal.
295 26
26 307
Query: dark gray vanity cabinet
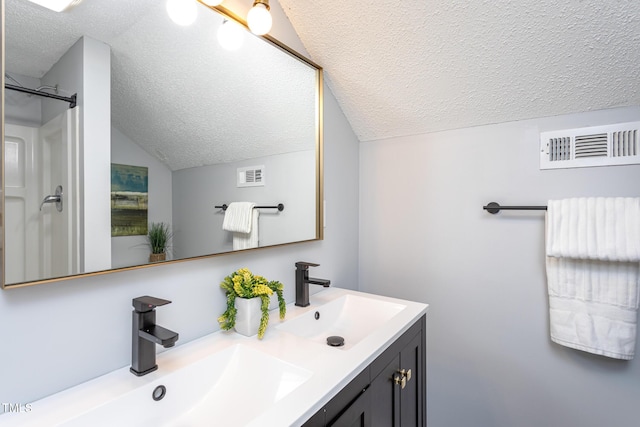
398 383
390 392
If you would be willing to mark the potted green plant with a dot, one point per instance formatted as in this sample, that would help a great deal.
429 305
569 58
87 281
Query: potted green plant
248 299
159 240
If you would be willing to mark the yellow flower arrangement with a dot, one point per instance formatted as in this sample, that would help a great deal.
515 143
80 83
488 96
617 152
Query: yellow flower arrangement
243 284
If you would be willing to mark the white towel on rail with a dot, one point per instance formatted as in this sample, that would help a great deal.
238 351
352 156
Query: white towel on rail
248 240
593 274
242 219
238 217
601 228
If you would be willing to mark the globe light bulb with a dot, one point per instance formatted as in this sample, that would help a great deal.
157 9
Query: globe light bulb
259 19
212 2
182 12
231 35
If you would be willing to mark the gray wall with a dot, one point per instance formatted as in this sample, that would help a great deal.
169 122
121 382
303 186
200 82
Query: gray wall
425 237
58 335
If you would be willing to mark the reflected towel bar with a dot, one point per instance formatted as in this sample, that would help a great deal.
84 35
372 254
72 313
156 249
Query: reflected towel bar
280 207
72 100
494 208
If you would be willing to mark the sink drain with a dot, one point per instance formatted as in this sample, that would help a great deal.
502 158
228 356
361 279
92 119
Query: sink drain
159 393
335 341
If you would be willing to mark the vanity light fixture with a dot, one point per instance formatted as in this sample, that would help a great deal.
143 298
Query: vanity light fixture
231 35
56 5
182 12
259 17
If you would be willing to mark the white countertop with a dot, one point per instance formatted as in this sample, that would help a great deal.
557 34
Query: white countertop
332 368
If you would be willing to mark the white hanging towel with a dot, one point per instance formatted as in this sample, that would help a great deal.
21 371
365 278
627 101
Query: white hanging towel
248 240
242 219
593 270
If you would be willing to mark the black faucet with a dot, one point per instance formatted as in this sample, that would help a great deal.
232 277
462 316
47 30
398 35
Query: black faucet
303 280
146 334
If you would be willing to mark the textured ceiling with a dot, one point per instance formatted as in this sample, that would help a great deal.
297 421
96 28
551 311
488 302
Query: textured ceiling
175 91
416 66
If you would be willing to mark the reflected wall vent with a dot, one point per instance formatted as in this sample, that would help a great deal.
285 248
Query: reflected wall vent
608 145
251 176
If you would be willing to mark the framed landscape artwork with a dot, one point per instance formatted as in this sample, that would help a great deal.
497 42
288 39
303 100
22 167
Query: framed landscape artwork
129 200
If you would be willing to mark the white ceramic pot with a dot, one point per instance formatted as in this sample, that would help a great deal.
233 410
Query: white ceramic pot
248 316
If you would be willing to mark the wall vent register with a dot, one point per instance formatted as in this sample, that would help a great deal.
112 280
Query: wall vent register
607 145
251 176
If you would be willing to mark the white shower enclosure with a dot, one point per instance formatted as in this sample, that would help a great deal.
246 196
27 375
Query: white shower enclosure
41 240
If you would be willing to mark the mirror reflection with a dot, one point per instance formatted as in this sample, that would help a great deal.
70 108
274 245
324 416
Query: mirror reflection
169 126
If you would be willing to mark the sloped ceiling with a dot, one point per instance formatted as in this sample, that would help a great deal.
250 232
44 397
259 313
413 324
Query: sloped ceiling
416 66
175 91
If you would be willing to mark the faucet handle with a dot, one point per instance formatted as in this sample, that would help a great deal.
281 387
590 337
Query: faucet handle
302 265
147 303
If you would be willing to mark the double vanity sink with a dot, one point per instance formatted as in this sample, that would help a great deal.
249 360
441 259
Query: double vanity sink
350 317
230 380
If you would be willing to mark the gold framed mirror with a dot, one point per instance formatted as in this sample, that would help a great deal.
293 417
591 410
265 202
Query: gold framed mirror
168 128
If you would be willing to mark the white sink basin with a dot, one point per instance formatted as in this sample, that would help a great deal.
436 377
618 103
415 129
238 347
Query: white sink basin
350 317
224 379
228 388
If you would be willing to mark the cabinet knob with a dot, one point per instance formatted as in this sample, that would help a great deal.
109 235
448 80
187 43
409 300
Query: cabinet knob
401 380
405 375
408 374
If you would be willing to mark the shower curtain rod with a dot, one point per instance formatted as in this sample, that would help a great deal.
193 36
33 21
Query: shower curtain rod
494 208
70 99
280 207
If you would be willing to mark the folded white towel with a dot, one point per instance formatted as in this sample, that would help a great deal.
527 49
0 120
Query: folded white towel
248 240
593 305
238 217
594 228
593 274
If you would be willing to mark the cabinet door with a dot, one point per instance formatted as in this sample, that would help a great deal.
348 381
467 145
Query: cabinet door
385 396
393 405
357 414
412 401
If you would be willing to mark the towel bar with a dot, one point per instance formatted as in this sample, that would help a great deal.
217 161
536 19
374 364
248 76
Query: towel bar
280 207
494 208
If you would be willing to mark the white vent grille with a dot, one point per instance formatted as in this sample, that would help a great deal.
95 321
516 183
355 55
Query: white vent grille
594 146
591 145
252 176
625 143
559 149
